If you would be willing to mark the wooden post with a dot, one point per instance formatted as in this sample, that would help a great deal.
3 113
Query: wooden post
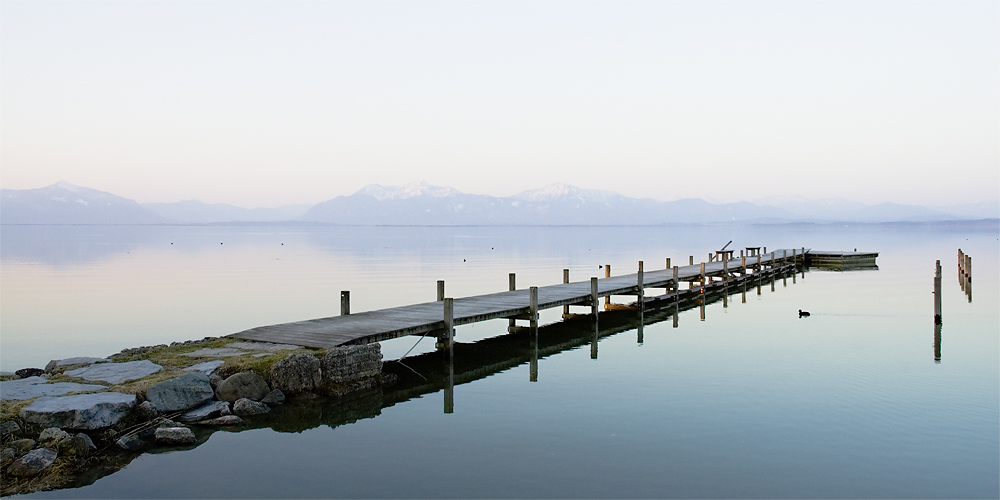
725 269
607 274
937 293
533 365
449 321
677 283
703 276
511 323
565 280
772 260
765 249
690 260
668 263
594 300
743 264
533 306
639 293
803 254
345 302
757 270
440 290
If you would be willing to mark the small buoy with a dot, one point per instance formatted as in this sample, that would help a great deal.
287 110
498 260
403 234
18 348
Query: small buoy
803 314
463 260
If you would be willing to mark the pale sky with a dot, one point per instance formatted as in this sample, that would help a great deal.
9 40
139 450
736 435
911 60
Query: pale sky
270 103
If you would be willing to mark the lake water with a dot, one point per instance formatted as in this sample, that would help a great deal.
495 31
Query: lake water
751 402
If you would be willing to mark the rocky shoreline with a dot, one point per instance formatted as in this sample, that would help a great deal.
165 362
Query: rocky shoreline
85 413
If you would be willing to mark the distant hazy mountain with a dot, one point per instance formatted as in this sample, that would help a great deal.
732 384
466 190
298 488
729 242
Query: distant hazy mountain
65 203
196 212
423 204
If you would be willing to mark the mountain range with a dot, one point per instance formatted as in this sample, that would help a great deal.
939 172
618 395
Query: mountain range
423 204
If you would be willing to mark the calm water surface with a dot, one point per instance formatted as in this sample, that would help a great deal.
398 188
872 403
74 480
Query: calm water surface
751 402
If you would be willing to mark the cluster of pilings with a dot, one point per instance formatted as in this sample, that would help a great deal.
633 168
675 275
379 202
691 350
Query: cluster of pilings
965 273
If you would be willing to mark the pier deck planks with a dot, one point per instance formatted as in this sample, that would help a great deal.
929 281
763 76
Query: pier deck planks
416 319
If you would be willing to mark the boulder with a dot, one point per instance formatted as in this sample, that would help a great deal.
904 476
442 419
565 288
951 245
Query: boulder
174 435
207 410
33 387
353 362
116 373
224 420
242 385
215 379
146 411
297 372
248 407
274 398
79 445
22 446
33 463
130 443
226 411
29 372
82 411
52 437
8 427
180 393
80 360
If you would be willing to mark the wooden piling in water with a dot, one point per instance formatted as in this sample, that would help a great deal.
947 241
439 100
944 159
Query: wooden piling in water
511 287
345 302
937 293
640 293
594 299
533 306
565 280
607 274
440 294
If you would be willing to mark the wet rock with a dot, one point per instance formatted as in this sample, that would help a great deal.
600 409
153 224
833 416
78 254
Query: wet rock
207 410
180 393
354 362
33 387
51 437
389 379
22 446
208 367
33 462
297 372
116 373
29 372
242 385
248 407
82 411
81 360
7 455
224 420
8 427
174 435
274 398
146 411
226 411
79 445
130 443
215 379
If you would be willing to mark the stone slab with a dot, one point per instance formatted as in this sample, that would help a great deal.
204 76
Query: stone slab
81 411
181 393
116 373
79 360
33 387
207 410
207 367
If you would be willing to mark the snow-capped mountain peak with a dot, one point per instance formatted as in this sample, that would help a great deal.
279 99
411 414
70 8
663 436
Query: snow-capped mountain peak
380 192
558 191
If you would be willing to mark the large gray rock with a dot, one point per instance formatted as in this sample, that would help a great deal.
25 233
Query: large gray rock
180 393
207 410
224 420
33 463
116 373
8 455
242 385
146 411
33 387
82 411
297 372
354 362
81 360
174 435
248 407
22 446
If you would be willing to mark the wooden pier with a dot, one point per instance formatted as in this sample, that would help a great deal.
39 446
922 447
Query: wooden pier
438 317
842 261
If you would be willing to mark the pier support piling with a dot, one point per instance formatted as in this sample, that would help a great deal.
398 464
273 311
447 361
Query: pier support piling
565 280
345 302
440 295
